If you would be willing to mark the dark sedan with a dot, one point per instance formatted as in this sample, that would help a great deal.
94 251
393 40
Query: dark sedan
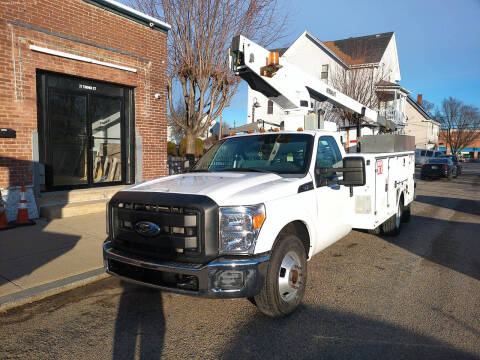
456 164
437 168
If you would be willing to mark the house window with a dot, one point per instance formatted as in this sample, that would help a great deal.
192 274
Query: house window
270 107
324 75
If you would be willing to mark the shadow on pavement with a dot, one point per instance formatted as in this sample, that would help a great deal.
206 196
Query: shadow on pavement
316 333
452 244
140 324
464 205
25 249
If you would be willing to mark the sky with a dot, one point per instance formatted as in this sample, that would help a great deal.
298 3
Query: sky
438 42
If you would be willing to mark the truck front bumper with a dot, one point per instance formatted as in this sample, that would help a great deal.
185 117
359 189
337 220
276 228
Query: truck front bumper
224 277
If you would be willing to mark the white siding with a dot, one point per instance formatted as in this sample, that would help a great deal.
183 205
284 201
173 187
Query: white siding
389 62
425 130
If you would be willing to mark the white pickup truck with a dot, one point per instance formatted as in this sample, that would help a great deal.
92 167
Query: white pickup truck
253 210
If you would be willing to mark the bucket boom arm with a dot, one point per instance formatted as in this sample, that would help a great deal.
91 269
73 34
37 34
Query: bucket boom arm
284 83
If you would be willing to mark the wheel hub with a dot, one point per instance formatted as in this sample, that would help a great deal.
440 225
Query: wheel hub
290 276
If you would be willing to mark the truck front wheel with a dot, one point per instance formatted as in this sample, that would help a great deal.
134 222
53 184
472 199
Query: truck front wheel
286 277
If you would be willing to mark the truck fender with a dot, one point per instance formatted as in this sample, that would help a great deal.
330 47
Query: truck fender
278 219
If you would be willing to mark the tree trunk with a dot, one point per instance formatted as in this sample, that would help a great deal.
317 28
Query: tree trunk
190 144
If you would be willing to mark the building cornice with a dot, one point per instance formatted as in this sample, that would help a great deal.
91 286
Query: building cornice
130 13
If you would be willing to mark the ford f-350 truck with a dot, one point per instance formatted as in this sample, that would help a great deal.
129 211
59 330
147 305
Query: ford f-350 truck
245 220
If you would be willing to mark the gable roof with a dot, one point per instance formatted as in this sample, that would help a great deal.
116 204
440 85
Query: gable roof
417 107
353 51
361 50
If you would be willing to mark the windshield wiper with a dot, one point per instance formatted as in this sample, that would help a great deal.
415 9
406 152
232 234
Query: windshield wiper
249 170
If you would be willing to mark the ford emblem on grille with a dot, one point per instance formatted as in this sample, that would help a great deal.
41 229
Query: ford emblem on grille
147 228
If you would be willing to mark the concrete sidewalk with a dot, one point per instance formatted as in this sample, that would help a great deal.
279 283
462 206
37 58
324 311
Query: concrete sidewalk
40 260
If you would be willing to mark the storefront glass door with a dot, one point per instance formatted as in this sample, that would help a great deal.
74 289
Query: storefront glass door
68 138
106 153
85 139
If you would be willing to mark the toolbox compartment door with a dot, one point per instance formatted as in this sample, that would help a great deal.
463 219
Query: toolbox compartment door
382 200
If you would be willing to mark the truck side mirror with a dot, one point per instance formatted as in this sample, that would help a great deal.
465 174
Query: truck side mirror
353 171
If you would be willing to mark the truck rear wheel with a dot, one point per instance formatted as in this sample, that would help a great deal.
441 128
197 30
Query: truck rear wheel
286 278
392 226
407 210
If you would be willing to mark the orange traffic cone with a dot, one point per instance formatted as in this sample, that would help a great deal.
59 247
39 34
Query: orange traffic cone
22 217
4 225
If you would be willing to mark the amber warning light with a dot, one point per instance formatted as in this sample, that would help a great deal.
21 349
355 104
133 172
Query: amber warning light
272 65
273 58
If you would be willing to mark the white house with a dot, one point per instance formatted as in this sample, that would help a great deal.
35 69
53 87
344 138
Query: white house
421 125
324 59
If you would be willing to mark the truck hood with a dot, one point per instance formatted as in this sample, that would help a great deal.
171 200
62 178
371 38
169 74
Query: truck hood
226 188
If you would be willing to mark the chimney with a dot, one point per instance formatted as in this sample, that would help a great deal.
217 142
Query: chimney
419 99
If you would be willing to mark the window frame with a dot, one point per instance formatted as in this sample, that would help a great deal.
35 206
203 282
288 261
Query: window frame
324 72
337 154
269 107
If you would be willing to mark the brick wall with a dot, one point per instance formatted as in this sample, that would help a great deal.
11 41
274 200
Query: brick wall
59 25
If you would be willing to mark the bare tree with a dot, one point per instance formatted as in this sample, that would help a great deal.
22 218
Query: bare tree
197 52
176 131
428 106
459 123
358 82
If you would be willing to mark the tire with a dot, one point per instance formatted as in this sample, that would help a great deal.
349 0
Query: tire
284 284
376 231
406 213
392 226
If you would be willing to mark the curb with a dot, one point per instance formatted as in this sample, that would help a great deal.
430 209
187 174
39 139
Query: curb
36 293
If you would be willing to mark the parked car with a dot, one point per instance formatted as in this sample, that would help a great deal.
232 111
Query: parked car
437 168
456 163
423 155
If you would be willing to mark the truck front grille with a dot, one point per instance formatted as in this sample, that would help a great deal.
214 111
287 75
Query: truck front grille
177 227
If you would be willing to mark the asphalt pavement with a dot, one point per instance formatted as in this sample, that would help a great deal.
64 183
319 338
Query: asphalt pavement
414 296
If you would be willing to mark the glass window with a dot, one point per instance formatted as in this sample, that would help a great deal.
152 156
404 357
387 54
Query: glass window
328 155
422 153
429 153
324 72
277 153
270 107
439 161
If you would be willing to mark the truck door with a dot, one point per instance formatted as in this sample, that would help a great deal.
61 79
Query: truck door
332 200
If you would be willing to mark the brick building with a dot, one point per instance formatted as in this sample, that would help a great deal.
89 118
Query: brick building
83 92
469 151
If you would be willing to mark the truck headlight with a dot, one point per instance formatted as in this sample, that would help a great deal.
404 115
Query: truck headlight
239 228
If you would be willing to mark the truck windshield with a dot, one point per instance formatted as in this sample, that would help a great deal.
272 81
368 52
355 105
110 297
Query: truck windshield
275 153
